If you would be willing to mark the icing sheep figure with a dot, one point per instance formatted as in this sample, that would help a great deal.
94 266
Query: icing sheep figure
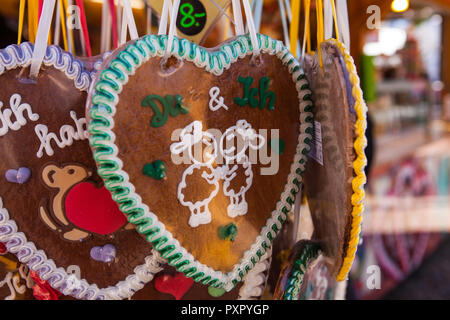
190 136
247 139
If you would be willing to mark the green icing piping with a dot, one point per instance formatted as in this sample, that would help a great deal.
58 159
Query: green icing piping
295 281
104 102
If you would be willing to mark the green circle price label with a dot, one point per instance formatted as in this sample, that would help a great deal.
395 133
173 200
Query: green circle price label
191 17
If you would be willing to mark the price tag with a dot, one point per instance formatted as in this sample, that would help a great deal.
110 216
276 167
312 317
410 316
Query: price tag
316 152
192 17
195 17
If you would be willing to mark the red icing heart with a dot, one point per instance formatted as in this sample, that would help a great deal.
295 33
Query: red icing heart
93 209
2 248
176 285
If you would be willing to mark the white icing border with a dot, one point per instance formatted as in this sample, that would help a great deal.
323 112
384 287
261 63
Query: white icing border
255 281
16 242
104 101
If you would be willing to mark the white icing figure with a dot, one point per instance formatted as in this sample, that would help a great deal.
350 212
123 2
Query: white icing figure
67 134
17 109
247 139
214 103
190 136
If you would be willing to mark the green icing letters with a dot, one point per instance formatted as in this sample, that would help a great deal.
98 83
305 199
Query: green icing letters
172 105
251 94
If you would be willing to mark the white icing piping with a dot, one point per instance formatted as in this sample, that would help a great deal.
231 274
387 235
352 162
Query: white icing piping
16 242
17 109
68 283
255 281
287 59
193 134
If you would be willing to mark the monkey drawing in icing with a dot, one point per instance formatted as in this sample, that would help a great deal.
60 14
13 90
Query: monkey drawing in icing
62 179
66 179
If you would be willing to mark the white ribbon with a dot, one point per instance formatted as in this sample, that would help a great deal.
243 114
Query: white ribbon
251 27
237 14
128 21
327 19
40 45
172 27
342 17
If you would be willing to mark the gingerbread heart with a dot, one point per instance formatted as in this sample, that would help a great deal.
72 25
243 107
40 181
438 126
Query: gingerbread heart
176 285
292 275
57 210
334 180
209 115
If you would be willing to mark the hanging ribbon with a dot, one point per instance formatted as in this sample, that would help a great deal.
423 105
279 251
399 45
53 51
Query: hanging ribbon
114 23
166 11
70 44
336 29
342 17
148 21
330 20
39 8
41 37
320 34
63 24
237 15
251 27
172 28
130 20
284 24
258 7
21 17
295 12
32 22
84 27
307 34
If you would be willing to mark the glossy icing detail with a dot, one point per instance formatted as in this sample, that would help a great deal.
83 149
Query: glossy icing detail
19 176
251 94
105 254
214 103
156 170
193 134
17 109
117 181
171 105
295 280
228 232
16 242
176 285
67 135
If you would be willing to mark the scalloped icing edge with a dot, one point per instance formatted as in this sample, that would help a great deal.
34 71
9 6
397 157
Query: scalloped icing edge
255 282
310 252
359 164
104 101
16 242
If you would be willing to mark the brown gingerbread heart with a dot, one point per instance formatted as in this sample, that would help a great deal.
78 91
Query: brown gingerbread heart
55 214
335 179
232 131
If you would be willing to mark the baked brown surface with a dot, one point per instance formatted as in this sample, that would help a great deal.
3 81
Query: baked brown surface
328 187
139 143
15 283
53 96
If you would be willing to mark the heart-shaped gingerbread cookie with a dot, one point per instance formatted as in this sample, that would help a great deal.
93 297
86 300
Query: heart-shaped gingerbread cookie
232 130
334 181
54 208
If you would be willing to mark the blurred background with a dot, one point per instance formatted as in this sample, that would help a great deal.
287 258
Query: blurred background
402 52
